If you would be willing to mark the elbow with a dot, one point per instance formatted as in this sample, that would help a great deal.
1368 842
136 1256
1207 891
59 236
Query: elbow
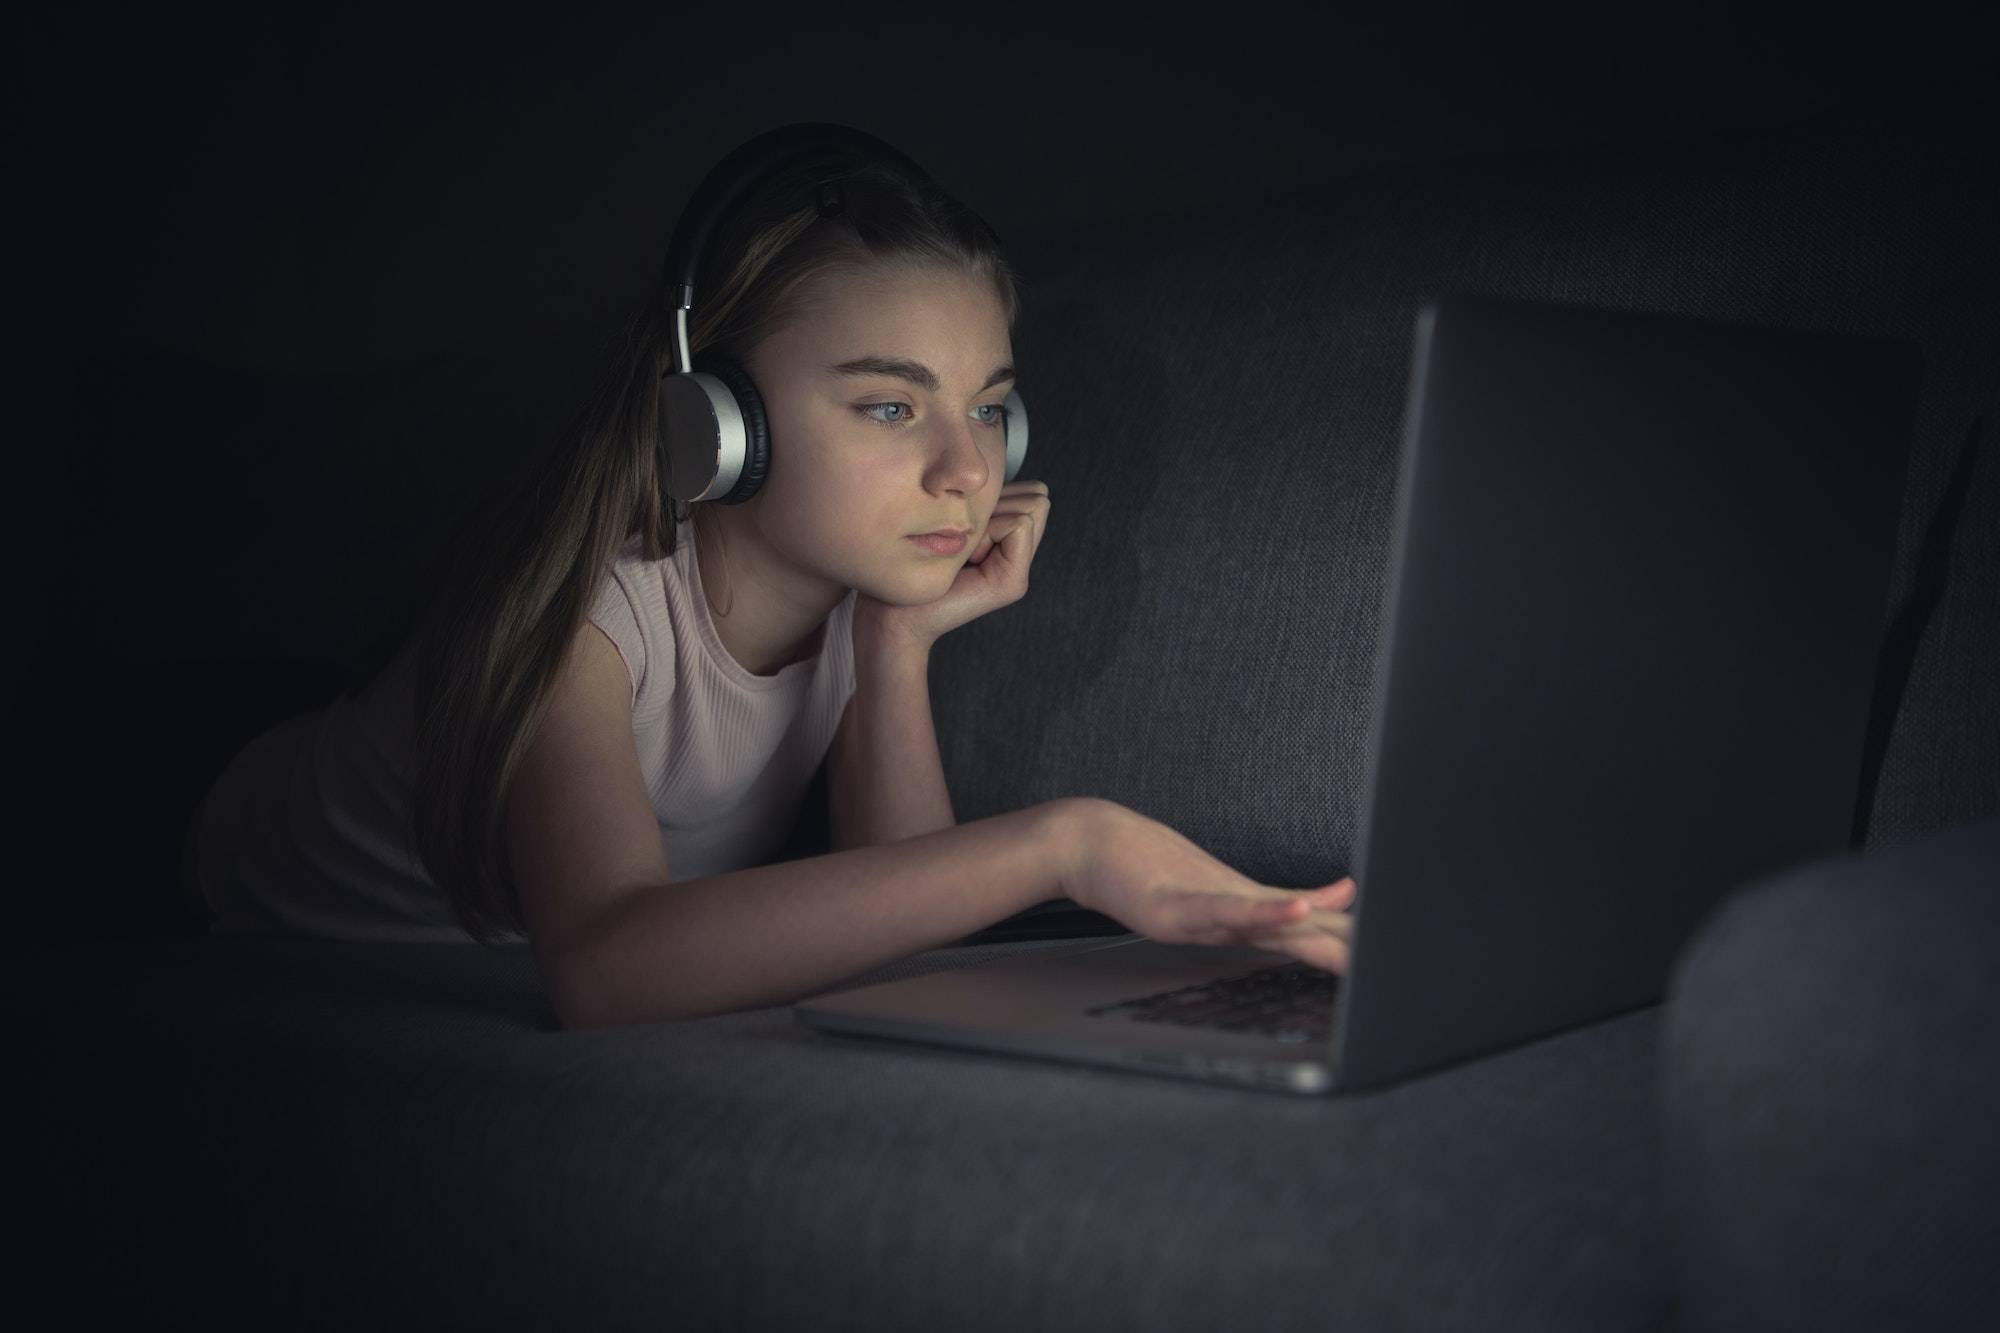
565 981
578 1009
586 993
572 1010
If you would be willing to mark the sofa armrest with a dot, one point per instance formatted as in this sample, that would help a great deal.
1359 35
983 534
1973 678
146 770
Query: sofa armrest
1830 1084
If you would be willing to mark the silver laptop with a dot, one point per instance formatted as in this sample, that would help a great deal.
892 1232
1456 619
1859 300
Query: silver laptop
1638 581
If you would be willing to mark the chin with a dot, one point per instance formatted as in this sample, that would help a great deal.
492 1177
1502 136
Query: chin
917 590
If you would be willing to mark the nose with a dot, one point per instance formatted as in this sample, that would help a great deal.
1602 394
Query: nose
962 458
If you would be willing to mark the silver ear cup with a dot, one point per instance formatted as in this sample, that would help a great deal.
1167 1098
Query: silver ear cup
704 436
1017 434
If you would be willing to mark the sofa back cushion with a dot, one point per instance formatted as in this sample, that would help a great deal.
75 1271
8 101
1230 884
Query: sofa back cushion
1217 407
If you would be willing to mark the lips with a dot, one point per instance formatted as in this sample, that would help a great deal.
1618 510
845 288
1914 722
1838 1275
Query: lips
943 543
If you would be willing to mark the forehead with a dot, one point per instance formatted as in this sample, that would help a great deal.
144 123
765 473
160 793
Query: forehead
943 316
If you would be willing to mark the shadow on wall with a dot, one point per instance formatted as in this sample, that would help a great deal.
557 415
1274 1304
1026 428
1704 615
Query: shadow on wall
258 543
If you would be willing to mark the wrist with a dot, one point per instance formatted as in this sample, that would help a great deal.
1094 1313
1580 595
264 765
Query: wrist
889 650
1064 834
882 628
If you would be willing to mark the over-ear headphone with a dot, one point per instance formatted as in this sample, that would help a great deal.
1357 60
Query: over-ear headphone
714 441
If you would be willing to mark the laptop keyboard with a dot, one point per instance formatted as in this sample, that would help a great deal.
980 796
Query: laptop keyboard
1291 1002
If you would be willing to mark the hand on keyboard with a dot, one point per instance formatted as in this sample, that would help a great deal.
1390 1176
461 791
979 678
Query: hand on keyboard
1144 874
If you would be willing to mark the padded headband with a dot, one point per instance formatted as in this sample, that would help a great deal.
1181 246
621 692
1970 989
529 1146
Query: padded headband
729 179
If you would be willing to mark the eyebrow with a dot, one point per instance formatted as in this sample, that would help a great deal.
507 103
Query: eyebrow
915 372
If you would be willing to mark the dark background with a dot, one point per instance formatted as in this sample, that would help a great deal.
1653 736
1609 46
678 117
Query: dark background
206 203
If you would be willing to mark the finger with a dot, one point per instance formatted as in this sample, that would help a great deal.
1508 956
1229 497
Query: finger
1321 952
1329 955
1332 957
998 529
1237 914
1327 897
1338 924
1260 913
1013 551
1316 921
993 535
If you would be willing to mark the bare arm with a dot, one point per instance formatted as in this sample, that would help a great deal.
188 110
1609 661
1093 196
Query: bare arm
778 933
617 940
885 780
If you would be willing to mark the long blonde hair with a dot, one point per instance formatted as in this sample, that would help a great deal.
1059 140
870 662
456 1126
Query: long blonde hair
526 563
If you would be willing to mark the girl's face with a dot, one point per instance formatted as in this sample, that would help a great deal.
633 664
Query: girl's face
863 457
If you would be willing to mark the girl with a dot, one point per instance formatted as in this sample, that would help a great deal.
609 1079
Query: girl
601 680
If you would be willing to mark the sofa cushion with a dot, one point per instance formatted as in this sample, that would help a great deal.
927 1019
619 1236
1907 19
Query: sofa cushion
1830 1088
378 1135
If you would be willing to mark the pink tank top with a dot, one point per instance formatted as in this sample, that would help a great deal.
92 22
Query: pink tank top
305 832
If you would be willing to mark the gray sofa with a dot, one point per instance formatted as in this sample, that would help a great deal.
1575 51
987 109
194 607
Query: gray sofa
1801 1135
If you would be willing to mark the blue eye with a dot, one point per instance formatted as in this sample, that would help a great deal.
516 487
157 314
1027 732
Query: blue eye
999 418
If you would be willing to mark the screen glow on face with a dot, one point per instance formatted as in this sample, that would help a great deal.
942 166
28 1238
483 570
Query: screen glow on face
995 422
924 378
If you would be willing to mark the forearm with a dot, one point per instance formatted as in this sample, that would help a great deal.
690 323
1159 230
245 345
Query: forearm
894 787
775 934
